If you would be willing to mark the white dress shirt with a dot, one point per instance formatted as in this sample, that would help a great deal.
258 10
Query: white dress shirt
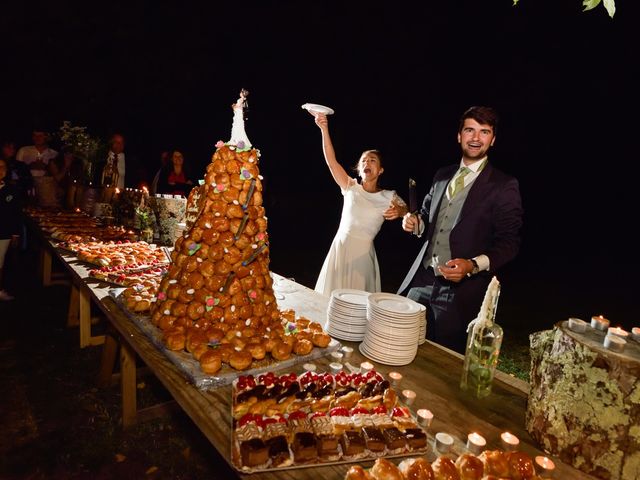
30 154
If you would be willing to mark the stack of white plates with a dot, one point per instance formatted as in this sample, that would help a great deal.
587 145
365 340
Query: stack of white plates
422 337
393 325
347 314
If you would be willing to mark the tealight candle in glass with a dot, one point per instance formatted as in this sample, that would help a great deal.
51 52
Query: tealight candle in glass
443 442
545 466
425 417
408 396
577 325
346 352
476 443
618 332
366 367
335 367
509 442
336 357
599 323
395 378
614 343
635 333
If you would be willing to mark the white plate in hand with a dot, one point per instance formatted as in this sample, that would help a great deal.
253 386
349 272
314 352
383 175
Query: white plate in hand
315 108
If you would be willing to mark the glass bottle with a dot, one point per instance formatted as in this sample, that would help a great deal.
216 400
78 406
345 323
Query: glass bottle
481 359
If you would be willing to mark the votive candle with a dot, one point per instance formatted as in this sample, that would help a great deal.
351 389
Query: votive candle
335 367
635 333
599 323
346 352
366 367
395 378
444 442
336 357
509 441
425 417
545 466
618 332
614 343
408 396
577 325
475 443
309 367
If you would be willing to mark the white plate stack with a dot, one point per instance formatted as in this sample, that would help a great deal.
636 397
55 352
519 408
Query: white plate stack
347 314
393 328
422 337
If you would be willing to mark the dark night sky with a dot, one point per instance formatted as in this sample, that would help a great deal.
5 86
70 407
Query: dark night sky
398 75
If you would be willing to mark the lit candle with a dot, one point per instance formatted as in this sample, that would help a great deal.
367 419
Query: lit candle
346 352
408 396
475 443
509 441
395 378
635 333
545 466
614 343
444 442
366 367
618 332
599 323
335 367
577 325
336 357
424 417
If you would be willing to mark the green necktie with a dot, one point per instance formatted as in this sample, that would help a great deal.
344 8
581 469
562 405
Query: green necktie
457 185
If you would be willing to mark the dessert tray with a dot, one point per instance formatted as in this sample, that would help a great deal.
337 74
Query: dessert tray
293 421
190 367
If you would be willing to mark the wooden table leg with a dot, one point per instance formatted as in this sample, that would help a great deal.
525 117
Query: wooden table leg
46 267
73 315
85 321
128 385
108 360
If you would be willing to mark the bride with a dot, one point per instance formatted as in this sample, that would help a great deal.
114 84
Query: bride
351 261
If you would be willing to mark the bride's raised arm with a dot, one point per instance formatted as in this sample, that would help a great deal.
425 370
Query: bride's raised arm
337 171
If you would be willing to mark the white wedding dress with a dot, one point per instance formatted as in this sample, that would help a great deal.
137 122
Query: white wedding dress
351 261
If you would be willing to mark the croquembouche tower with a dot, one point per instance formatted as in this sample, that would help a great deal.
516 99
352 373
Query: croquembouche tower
217 299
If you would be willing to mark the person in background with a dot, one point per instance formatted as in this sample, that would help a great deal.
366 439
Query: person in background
19 176
117 156
65 168
351 261
164 160
175 178
10 221
38 155
470 221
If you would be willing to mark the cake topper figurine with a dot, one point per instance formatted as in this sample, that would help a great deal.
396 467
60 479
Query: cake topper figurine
238 135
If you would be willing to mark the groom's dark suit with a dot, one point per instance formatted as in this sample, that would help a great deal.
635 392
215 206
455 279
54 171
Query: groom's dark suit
489 223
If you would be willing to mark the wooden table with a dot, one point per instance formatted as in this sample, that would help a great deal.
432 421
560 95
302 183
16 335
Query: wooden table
434 375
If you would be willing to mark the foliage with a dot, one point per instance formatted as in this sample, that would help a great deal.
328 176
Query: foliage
610 5
88 148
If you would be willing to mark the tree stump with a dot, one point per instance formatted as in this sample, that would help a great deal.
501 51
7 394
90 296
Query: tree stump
584 402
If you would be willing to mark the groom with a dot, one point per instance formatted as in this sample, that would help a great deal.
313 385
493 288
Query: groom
470 220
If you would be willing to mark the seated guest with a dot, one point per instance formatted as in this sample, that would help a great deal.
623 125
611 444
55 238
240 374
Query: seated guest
38 155
174 179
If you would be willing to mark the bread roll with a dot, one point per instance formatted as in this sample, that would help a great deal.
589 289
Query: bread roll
445 469
495 463
356 472
416 469
469 467
383 469
520 466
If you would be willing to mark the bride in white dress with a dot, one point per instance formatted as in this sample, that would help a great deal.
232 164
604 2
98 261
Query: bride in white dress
351 261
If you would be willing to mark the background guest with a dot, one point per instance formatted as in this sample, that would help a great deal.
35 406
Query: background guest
116 155
19 175
65 168
10 224
38 155
175 178
164 160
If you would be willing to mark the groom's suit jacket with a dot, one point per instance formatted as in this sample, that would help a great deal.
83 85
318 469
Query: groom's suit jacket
489 222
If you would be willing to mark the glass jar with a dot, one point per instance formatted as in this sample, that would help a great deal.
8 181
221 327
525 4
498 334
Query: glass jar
481 359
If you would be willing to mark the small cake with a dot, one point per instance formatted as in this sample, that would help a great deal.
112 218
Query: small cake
276 441
303 443
394 439
326 439
416 438
254 452
352 443
374 439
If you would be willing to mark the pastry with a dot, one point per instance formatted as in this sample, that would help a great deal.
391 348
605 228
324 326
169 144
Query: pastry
469 467
383 469
445 469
